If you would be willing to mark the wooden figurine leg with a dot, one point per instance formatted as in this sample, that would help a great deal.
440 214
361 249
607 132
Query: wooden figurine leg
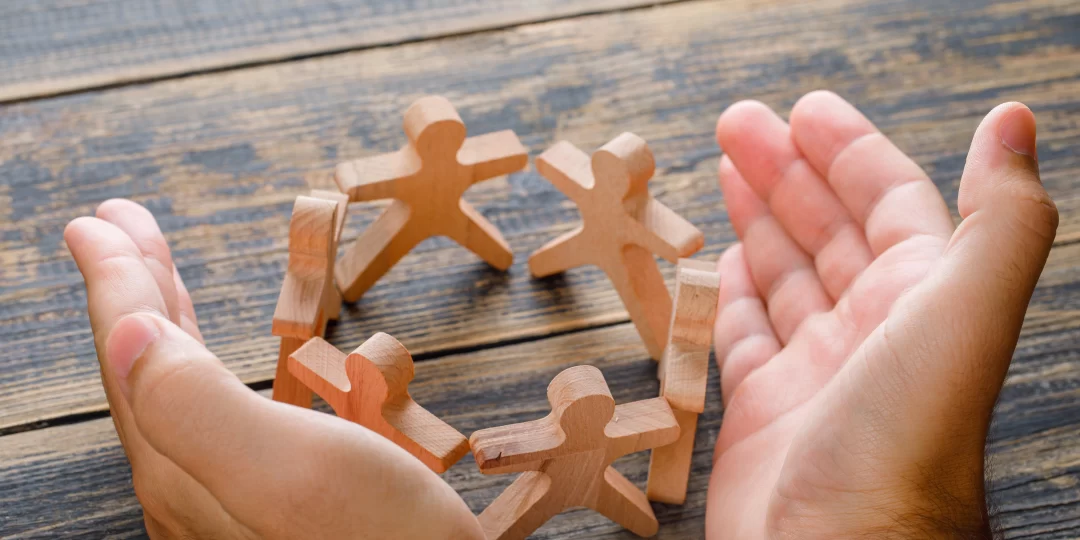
519 510
643 291
287 388
482 238
622 502
385 243
559 255
669 466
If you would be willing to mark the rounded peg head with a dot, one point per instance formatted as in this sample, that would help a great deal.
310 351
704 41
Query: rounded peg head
312 227
624 165
581 401
434 127
391 358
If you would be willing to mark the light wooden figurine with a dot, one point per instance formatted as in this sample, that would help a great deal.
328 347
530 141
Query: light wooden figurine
426 179
684 373
566 457
308 295
370 386
622 228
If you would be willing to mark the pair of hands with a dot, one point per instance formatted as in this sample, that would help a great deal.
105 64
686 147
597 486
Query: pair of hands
862 341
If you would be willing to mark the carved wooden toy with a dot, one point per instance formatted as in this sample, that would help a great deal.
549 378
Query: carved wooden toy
565 457
370 386
684 373
308 296
426 179
622 228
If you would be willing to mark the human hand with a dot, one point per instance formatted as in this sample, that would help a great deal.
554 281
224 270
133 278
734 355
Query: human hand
863 339
209 457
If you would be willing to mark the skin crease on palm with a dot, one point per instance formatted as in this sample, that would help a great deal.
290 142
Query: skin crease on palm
862 341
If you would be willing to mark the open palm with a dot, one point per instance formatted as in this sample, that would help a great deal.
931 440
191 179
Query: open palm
863 338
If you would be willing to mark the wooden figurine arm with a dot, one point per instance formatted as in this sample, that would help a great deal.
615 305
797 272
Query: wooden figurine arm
300 307
684 369
321 367
376 177
641 425
493 154
567 168
517 447
438 444
666 233
342 202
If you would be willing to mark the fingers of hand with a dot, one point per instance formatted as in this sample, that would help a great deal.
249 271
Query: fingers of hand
117 284
744 337
884 190
188 321
760 145
142 228
782 272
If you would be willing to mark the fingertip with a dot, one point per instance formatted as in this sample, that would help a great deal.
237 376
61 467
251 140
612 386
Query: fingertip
740 117
1018 130
74 231
116 207
823 124
1003 161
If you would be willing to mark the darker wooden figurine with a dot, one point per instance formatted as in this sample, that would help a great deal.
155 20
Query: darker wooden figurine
565 458
426 179
370 386
622 228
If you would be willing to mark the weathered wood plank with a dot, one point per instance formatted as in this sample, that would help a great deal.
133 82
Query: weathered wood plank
73 480
220 157
48 47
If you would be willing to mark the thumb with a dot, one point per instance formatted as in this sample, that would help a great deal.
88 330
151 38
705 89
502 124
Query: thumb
280 470
946 346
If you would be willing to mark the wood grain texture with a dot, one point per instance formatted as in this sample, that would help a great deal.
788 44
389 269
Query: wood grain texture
683 373
623 228
219 159
54 46
73 481
308 299
370 386
566 457
426 179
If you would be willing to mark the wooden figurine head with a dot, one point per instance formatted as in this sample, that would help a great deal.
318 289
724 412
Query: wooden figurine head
370 386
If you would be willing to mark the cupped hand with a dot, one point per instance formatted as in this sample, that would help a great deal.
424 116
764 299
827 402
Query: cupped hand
862 337
210 458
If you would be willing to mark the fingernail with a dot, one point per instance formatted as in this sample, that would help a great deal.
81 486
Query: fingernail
129 340
1018 132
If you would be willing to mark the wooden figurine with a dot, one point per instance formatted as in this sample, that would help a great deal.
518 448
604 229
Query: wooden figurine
565 457
622 228
370 386
308 295
684 373
426 179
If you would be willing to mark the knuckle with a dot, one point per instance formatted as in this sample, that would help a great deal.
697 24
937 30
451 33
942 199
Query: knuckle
1035 211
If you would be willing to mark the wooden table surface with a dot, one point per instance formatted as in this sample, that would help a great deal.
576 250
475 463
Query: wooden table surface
216 114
